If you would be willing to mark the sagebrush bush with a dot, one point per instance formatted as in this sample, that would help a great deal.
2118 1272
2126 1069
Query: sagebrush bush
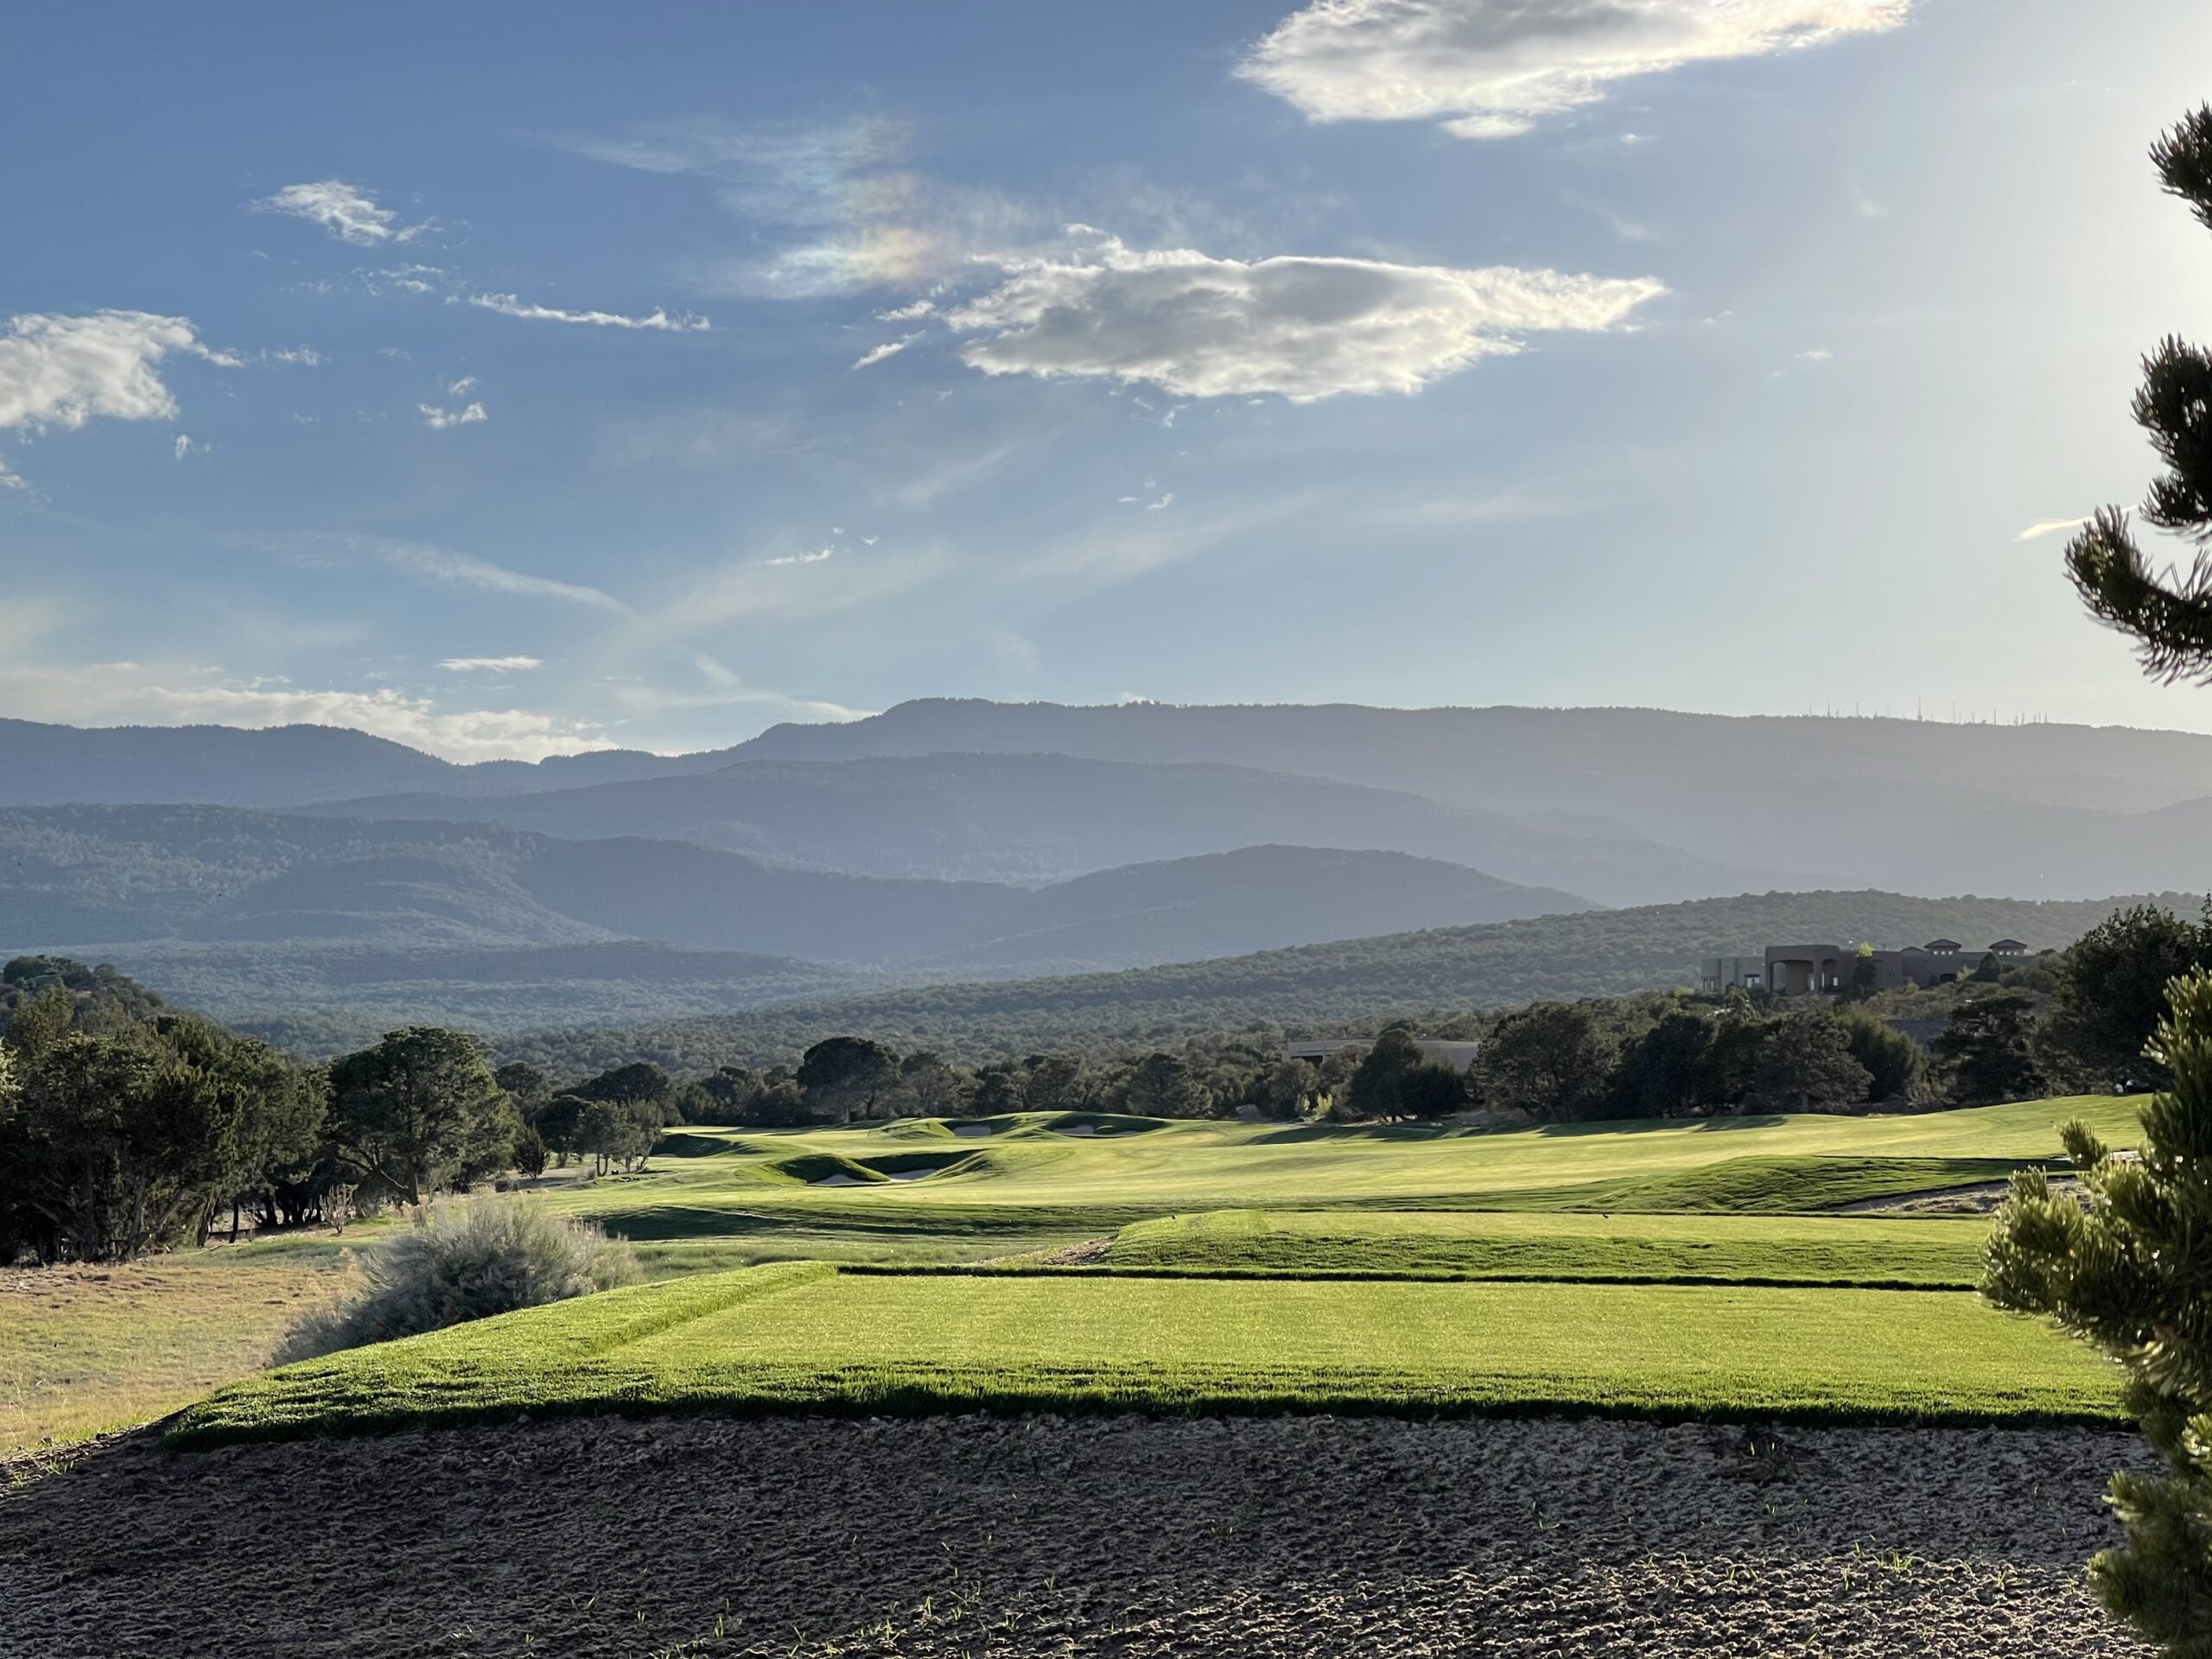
467 1259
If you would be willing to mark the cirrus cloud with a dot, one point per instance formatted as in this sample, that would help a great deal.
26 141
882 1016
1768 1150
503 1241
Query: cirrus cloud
1299 327
1494 68
509 305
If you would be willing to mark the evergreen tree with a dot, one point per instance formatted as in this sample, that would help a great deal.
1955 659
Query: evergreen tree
2127 1275
1805 1064
1986 1052
2168 614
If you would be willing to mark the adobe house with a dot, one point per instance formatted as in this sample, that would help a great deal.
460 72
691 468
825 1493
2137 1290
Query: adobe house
1819 969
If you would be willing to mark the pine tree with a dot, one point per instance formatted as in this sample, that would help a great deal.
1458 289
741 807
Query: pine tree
2129 1275
2168 614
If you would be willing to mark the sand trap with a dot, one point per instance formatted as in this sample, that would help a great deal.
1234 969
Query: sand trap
908 1175
1088 1131
967 1131
840 1179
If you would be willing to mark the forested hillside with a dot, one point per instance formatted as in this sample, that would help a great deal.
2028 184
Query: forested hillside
1322 986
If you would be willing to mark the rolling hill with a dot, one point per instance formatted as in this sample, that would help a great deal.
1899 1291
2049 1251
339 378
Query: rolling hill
82 876
1000 817
1336 985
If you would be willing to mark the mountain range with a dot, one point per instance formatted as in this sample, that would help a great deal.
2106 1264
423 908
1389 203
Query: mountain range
337 876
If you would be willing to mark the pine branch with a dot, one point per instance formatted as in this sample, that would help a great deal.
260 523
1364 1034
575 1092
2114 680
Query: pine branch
2169 615
2183 158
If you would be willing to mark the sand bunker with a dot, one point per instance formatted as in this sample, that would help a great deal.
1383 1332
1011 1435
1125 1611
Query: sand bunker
1268 1538
970 1130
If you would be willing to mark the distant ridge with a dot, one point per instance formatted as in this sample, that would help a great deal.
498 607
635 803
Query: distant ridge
1325 987
75 877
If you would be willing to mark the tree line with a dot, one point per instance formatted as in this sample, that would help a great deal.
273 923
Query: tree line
126 1125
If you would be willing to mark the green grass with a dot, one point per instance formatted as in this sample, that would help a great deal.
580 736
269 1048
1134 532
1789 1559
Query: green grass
1028 1181
1460 1244
806 1337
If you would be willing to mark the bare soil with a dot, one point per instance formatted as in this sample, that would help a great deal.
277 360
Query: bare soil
1118 1536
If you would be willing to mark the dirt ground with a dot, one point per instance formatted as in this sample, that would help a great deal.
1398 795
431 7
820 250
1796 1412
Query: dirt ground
1116 1536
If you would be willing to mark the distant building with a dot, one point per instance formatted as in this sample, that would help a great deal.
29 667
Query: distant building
1458 1056
1818 970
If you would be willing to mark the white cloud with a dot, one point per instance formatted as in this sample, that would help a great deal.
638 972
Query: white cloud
889 348
183 446
2044 527
490 664
1494 68
910 313
1818 354
508 305
408 279
439 419
815 557
440 565
180 695
58 371
347 211
1303 328
305 357
10 480
462 387
1165 502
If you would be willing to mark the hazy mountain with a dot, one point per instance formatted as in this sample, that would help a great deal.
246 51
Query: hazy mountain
77 876
281 765
1031 817
1321 987
1894 803
1624 804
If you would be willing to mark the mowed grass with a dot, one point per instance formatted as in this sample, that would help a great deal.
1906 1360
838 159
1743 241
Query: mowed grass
979 1196
808 1337
1462 1245
86 1349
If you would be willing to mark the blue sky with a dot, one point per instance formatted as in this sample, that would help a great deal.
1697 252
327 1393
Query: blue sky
511 380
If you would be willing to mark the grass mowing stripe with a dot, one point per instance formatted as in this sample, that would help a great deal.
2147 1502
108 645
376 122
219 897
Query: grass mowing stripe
831 1341
1690 1248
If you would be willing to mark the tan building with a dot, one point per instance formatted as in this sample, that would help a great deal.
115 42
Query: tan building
1821 969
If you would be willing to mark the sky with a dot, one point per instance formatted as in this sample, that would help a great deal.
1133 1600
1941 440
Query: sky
513 380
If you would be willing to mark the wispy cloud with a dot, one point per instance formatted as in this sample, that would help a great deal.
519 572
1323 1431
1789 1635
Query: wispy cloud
655 320
815 557
346 211
1303 328
183 446
490 664
2044 527
889 348
442 565
438 420
830 201
1491 70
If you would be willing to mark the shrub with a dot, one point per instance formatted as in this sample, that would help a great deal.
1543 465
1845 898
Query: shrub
468 1261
